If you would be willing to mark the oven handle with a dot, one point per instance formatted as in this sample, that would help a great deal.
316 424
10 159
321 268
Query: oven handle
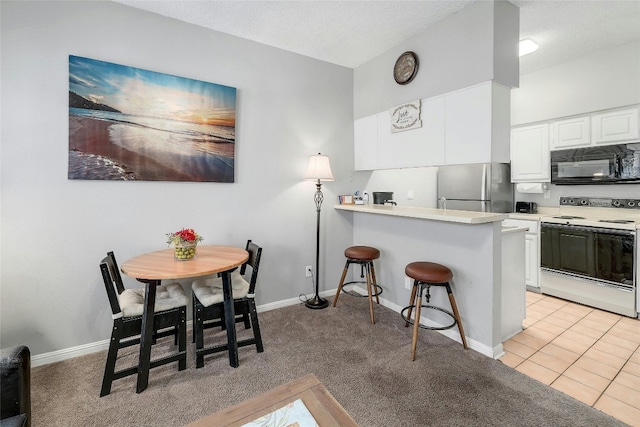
587 228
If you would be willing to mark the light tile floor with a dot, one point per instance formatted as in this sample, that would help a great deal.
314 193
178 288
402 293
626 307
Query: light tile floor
589 354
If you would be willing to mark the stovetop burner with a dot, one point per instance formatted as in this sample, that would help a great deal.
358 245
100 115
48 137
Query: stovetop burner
617 221
569 217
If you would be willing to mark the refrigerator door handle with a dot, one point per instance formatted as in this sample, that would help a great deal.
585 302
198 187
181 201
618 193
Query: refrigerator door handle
483 195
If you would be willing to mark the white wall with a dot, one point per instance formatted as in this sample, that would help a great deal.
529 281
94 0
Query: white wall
55 231
420 181
475 45
606 79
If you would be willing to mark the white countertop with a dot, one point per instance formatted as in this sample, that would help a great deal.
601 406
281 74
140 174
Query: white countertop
446 215
591 213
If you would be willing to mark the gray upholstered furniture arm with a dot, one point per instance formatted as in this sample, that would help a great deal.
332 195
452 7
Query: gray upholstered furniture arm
15 386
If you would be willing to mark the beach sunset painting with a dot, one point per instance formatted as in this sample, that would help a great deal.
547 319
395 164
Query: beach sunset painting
127 123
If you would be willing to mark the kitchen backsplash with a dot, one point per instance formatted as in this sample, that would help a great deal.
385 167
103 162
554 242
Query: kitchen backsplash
613 191
422 183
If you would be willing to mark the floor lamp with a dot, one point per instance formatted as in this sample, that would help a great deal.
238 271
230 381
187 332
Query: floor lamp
318 170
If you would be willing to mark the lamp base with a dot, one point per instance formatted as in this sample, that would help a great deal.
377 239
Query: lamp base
316 303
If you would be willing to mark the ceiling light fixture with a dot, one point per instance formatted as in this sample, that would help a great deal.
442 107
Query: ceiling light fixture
527 46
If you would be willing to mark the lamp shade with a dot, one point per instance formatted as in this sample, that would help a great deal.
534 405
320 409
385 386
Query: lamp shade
319 169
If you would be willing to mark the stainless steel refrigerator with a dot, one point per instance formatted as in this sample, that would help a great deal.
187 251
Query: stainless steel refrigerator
481 187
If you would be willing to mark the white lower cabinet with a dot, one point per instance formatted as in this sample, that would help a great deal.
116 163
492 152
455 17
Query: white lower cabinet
532 250
532 261
513 287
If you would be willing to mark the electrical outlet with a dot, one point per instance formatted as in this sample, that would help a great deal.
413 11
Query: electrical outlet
307 271
407 282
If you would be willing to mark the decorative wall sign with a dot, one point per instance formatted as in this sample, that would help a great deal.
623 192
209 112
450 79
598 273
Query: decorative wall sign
406 117
126 123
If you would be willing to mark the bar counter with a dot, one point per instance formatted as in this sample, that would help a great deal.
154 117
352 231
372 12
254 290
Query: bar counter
469 243
448 215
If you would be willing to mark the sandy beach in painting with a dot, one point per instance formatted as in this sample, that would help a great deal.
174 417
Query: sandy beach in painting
116 150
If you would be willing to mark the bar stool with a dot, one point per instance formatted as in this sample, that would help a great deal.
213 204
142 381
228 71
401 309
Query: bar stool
364 256
424 275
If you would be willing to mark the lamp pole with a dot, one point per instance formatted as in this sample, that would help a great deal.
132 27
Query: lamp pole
317 302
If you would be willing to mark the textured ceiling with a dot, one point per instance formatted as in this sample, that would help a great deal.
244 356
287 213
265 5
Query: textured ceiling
350 33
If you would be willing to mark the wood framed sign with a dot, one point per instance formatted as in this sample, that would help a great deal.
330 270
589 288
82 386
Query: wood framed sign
406 117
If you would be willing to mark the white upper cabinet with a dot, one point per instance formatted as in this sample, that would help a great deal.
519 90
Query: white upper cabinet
570 133
422 146
530 154
615 126
477 124
365 143
470 125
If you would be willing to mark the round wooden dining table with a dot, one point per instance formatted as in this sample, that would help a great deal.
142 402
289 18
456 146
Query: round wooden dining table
154 267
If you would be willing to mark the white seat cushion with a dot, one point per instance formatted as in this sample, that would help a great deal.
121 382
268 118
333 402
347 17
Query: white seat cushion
167 297
209 291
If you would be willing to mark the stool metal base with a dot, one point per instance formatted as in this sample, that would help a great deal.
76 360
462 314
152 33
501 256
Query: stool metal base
416 298
378 289
432 307
367 271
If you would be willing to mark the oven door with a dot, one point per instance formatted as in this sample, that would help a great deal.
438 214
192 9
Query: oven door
602 255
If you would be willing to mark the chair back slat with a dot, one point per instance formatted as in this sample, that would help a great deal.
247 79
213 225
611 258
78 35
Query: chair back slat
255 253
115 272
106 267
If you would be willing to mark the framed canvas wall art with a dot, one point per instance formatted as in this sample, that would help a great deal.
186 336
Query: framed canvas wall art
127 123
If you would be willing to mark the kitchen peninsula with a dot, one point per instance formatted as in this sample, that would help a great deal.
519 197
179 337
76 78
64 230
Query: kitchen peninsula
470 243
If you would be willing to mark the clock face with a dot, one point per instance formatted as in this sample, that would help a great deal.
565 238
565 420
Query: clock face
406 68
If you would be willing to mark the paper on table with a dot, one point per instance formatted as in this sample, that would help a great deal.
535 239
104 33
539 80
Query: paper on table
294 414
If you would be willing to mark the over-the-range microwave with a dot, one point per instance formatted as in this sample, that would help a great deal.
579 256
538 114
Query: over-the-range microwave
608 164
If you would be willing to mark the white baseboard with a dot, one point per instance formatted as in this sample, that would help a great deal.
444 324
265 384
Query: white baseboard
453 334
94 347
68 353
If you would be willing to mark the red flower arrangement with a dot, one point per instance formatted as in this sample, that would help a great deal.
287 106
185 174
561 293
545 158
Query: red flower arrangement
184 236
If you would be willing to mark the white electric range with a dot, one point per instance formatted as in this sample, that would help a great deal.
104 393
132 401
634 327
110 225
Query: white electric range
589 253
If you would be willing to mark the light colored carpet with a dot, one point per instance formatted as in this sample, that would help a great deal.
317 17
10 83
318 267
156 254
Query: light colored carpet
366 367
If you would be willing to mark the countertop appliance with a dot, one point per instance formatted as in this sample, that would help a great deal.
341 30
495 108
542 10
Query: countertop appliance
588 255
608 164
527 207
382 197
481 187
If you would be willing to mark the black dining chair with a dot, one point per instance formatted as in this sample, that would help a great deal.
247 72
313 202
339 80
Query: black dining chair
208 305
170 319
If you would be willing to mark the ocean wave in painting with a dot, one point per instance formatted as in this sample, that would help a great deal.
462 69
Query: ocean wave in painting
91 166
191 131
155 149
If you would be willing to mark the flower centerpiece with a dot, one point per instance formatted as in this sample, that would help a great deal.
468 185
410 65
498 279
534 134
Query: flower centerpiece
185 242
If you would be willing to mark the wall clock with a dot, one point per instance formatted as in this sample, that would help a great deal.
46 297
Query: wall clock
406 68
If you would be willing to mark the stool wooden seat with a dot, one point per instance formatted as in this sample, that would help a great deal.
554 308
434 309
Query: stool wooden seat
364 256
426 274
